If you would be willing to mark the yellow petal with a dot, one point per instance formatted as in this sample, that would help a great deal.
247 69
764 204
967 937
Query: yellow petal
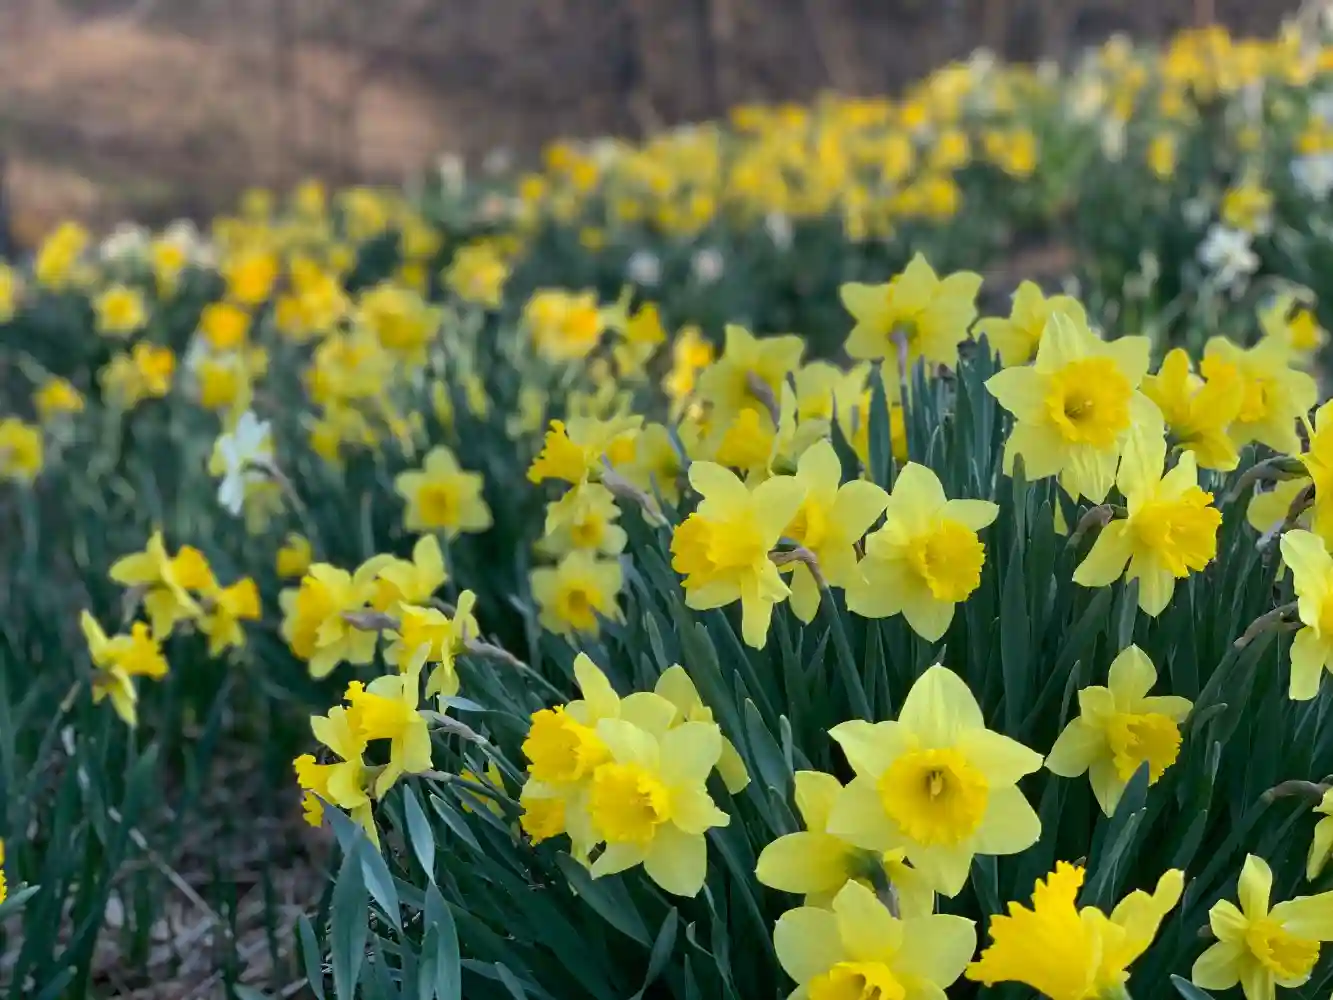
936 948
939 708
815 794
1106 560
1255 887
1132 675
1075 749
1218 968
1309 653
603 702
858 817
1010 824
1309 917
807 942
805 863
870 747
868 931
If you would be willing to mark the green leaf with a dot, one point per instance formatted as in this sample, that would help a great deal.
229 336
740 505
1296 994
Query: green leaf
1115 841
441 967
607 897
764 750
1188 990
419 832
310 956
1015 640
662 949
348 931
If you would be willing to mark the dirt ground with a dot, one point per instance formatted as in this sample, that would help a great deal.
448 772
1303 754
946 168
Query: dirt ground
155 108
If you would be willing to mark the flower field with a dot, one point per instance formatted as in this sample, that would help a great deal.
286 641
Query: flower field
873 550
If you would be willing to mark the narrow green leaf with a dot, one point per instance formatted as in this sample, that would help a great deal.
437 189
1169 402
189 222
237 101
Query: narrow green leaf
662 950
1188 990
607 897
348 931
419 832
310 957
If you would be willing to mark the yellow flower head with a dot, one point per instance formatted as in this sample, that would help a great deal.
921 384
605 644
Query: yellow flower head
166 581
722 549
345 783
224 611
120 311
21 450
691 353
1017 338
936 784
1321 844
442 496
574 451
9 293
402 322
293 558
59 254
386 709
1068 953
1074 408
655 465
1298 330
313 624
119 659
224 326
916 316
400 582
571 594
55 398
1198 413
478 274
564 326
428 635
1311 567
1274 395
584 518
1261 946
858 949
1120 728
748 363
925 559
649 802
1171 530
250 276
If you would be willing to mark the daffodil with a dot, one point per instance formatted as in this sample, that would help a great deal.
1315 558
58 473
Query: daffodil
858 949
925 559
690 355
386 709
1274 395
402 582
223 611
936 784
1263 946
584 518
1321 844
293 557
1066 952
166 581
1296 330
1198 413
344 783
649 803
722 549
574 451
1120 728
829 523
55 398
1171 530
119 659
655 466
676 687
442 496
1017 337
748 364
313 622
1270 508
818 864
1318 462
243 458
428 635
572 593
916 316
22 452
1311 566
1074 407
120 311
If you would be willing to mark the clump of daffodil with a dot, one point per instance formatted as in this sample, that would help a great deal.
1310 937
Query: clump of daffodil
402 322
1067 952
1119 728
817 864
118 660
723 548
314 620
166 581
1170 530
22 452
576 450
584 519
857 948
915 316
1074 407
1297 329
1197 412
748 375
1017 337
936 784
1274 395
1263 946
1311 567
1271 507
442 496
829 523
925 559
649 804
575 591
344 783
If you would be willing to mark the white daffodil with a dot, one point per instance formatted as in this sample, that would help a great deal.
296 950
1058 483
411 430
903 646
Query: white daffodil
241 457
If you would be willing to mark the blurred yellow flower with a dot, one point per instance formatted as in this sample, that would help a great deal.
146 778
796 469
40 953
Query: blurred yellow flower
313 624
1198 413
250 276
223 611
442 496
584 518
1274 395
478 274
748 364
59 253
224 326
119 659
21 450
56 397
386 709
571 594
1017 338
120 311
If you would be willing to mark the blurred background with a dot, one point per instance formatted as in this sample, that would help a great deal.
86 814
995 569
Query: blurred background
153 109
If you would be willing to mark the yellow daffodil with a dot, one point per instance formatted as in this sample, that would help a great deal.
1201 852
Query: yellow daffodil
916 316
120 311
56 397
58 256
478 274
386 709
584 518
402 322
574 451
857 948
690 354
145 373
428 635
1270 508
1171 530
1321 844
1296 330
564 326
748 364
649 802
936 784
400 582
1065 952
22 453
442 496
313 624
166 581
223 611
1312 574
925 559
345 783
676 687
1198 413
119 659
818 864
572 593
655 466
1260 946
224 326
722 549
1318 462
250 276
1120 727
9 293
829 523
1017 337
1073 409
293 558
1274 395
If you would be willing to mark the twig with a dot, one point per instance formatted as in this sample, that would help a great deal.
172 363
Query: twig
1099 517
